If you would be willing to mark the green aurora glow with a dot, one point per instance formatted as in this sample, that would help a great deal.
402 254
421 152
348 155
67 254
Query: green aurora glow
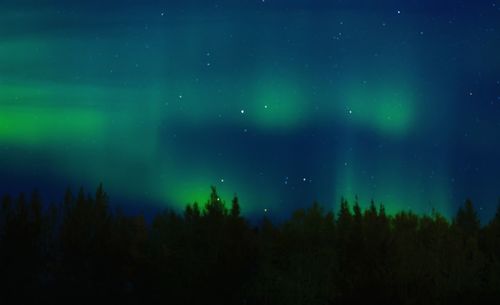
161 107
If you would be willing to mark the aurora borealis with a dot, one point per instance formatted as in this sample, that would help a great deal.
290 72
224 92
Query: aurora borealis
282 102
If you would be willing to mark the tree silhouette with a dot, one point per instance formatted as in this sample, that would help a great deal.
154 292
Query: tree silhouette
467 220
235 207
79 248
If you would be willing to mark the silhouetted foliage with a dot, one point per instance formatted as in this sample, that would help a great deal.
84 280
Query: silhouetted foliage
80 249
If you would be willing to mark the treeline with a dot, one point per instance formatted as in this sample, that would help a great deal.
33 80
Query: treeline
81 250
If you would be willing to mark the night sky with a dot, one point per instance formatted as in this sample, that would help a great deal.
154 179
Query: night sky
280 101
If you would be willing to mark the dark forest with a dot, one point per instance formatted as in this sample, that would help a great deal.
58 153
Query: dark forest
82 249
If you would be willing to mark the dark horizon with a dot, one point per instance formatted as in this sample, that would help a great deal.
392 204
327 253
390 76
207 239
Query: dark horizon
80 249
149 211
